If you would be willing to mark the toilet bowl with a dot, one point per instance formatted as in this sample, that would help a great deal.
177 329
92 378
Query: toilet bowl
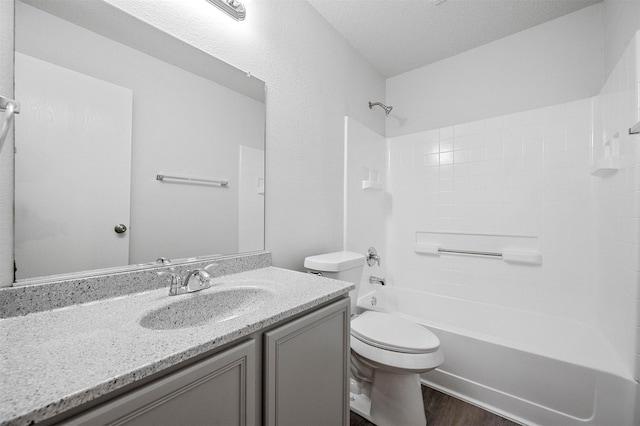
388 353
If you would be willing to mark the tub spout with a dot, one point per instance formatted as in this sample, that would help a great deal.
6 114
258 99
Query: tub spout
376 280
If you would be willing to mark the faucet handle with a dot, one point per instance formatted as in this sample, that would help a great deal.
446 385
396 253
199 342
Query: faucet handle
372 257
175 281
210 268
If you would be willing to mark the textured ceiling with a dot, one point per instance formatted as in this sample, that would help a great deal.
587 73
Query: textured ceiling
396 36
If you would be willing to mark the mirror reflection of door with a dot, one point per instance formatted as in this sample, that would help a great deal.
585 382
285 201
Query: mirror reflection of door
251 199
74 134
191 113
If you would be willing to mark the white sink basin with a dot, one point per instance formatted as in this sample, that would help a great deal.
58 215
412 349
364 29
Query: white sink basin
195 309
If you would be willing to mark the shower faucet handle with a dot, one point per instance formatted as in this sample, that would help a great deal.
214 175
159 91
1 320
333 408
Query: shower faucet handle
372 257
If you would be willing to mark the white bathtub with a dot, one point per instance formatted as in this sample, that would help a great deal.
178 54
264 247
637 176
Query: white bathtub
532 368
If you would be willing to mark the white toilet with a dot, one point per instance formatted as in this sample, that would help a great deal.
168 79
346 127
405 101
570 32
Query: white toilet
388 353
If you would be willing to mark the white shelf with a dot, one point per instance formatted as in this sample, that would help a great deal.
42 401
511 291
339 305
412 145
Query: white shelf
609 163
372 185
605 167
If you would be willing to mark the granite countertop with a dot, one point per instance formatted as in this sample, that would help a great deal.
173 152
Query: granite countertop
55 360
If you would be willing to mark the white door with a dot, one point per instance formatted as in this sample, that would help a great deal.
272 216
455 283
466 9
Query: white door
73 170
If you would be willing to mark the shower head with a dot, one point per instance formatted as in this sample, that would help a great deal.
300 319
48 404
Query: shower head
387 109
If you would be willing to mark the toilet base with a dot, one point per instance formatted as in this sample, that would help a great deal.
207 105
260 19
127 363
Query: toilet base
396 399
361 405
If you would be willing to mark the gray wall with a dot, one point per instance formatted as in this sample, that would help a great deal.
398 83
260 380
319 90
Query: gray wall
555 62
621 21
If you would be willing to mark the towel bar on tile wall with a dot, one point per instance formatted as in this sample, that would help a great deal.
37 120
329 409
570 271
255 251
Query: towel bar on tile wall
161 177
470 252
510 256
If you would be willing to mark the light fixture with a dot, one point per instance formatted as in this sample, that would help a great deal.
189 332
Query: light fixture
233 8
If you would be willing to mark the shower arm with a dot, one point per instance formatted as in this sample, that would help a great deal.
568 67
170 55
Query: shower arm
387 109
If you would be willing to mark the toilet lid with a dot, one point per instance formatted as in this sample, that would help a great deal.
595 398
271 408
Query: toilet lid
393 333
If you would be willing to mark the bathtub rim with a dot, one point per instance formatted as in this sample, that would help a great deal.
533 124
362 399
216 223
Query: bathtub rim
615 365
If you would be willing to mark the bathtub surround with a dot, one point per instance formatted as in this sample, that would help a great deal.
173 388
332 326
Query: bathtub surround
524 174
366 205
529 173
616 203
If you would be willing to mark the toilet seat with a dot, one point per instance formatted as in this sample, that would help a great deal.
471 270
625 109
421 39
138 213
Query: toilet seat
392 333
395 344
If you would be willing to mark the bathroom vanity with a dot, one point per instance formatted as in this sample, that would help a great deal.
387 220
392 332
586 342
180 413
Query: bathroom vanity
282 359
221 388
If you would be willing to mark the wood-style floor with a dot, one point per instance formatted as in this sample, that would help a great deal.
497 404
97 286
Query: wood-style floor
444 410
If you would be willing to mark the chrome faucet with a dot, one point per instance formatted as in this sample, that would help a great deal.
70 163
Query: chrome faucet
195 280
202 280
372 257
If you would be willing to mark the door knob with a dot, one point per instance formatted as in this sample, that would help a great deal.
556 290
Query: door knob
120 229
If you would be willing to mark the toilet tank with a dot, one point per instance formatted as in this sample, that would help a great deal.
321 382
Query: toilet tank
339 265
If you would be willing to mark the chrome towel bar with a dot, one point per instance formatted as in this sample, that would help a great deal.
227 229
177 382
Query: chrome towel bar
471 252
161 177
509 255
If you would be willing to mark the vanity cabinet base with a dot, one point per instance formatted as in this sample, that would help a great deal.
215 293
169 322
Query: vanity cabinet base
220 390
307 369
293 373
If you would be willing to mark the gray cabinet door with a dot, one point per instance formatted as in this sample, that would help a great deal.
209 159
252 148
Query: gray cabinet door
219 390
307 369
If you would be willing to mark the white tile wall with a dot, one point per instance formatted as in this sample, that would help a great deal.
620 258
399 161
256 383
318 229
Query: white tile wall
525 173
365 209
617 202
528 173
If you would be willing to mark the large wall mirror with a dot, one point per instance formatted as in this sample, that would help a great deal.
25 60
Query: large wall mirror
108 103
